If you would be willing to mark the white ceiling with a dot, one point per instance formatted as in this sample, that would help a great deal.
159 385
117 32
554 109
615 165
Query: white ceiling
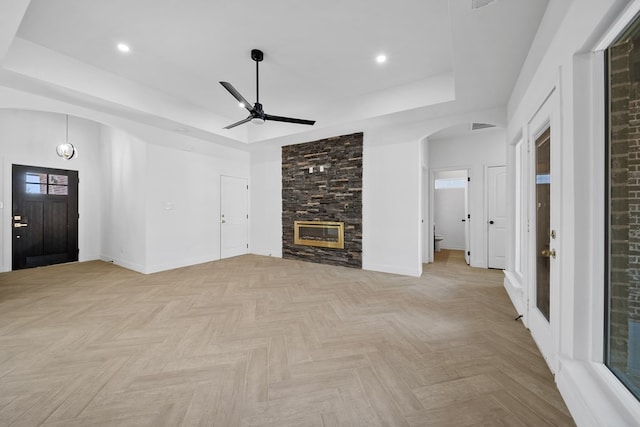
319 58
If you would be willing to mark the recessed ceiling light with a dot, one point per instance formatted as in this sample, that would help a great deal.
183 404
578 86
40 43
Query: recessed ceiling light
122 47
380 59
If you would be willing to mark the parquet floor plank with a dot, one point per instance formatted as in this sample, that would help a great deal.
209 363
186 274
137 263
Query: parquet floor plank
260 341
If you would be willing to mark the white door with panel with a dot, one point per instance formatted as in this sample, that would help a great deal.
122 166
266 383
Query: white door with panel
467 221
497 216
234 216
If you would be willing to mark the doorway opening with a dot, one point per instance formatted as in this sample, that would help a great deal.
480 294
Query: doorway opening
451 218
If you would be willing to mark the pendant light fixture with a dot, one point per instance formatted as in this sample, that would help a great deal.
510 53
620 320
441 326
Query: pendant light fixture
66 150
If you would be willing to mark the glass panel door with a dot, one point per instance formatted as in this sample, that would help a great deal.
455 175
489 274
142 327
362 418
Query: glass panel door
543 214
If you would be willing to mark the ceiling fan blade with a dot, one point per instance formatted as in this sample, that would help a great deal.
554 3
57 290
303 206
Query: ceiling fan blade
248 119
232 90
288 120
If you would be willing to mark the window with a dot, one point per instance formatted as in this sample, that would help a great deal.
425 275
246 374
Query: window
41 183
622 342
451 183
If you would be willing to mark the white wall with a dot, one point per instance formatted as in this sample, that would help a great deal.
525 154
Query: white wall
183 205
266 201
149 200
30 138
163 197
570 67
474 151
124 215
391 203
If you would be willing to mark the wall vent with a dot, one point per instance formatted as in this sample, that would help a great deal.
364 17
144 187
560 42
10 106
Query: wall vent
477 4
478 126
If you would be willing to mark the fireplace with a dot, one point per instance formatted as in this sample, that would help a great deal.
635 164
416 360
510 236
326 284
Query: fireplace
325 234
314 198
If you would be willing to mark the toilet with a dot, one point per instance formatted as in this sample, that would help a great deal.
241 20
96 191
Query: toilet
436 242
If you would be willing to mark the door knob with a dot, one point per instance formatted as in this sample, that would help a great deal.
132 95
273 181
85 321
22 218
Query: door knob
223 221
548 253
491 222
19 224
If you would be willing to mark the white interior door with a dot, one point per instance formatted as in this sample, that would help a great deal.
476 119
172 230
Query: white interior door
234 216
467 222
543 239
497 216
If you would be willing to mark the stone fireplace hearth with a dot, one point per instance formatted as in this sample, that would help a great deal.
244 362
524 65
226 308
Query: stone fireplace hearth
322 187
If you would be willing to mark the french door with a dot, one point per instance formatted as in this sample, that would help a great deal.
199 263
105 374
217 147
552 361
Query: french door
544 234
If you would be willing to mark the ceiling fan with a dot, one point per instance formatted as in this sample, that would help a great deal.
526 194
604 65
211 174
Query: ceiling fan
256 113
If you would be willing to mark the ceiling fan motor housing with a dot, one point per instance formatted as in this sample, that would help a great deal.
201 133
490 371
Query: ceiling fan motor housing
257 111
257 55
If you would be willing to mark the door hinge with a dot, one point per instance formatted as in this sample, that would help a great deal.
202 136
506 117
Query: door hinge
469 253
468 216
247 187
468 179
247 246
247 216
78 216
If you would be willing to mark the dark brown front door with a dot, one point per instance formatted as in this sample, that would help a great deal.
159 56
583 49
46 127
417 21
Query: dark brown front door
45 216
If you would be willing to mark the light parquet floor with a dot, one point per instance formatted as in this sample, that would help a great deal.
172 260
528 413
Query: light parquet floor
259 341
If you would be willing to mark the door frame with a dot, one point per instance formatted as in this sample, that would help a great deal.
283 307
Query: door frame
432 184
545 334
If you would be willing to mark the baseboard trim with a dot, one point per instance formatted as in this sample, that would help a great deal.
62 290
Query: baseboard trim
179 264
513 286
392 269
123 263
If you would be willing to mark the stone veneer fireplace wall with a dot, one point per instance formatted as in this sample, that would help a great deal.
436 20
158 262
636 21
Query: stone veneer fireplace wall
330 191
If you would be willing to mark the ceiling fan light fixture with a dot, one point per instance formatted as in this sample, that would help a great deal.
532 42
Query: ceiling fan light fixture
257 121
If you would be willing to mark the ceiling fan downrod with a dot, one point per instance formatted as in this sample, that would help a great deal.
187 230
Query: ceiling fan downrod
258 56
